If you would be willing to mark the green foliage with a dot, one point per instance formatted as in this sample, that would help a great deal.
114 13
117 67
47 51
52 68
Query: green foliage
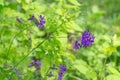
65 22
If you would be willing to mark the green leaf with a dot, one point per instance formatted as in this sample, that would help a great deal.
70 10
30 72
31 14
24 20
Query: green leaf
71 6
75 2
70 56
28 1
62 38
112 77
85 69
72 26
2 2
118 48
114 71
19 1
45 66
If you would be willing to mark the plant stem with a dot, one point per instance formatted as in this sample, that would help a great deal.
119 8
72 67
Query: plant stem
104 67
11 42
37 46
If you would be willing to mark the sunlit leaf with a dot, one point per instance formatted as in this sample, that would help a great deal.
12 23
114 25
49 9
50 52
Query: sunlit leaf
2 2
112 77
114 71
75 2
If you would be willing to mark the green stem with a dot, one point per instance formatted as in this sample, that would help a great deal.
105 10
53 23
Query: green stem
49 68
1 34
11 42
29 53
104 67
36 47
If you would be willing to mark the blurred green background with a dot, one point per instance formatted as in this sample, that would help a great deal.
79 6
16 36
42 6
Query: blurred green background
65 20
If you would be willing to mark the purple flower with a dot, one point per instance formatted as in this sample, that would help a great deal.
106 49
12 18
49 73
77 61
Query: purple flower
36 63
41 23
42 20
37 24
60 75
87 38
32 17
76 45
30 39
19 19
62 71
63 68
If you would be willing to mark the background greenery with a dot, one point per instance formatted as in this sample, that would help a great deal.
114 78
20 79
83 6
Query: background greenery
65 22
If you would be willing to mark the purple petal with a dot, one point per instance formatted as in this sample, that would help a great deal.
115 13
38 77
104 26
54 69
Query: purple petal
19 19
32 17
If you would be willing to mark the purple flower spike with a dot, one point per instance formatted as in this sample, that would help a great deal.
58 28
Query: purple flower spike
62 71
60 75
36 63
87 39
42 21
32 17
19 19
63 68
32 63
76 45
